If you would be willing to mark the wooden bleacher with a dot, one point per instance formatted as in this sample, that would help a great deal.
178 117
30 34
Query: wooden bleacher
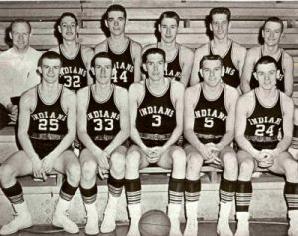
247 18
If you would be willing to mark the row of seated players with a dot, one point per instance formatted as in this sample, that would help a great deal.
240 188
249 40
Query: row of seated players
18 64
151 113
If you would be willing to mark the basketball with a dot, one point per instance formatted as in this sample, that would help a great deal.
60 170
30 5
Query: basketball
154 223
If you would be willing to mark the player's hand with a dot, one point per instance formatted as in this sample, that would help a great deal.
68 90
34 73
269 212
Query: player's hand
103 173
265 159
151 155
38 172
13 112
158 151
208 151
102 160
48 163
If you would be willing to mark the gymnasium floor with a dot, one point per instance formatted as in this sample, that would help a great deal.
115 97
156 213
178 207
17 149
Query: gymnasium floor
205 229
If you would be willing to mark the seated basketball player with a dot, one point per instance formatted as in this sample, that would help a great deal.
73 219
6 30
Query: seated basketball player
125 52
209 128
264 129
46 130
103 126
156 113
75 57
179 58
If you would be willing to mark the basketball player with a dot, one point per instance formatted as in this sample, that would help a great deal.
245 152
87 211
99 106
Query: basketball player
179 58
18 68
263 131
232 53
125 53
103 125
272 31
46 130
156 113
209 128
75 57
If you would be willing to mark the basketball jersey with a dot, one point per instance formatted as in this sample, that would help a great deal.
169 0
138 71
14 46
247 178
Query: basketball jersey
73 73
173 69
280 83
103 119
156 117
264 125
210 118
231 76
48 124
123 66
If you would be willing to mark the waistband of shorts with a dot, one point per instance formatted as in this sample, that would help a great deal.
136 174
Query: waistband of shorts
46 136
158 137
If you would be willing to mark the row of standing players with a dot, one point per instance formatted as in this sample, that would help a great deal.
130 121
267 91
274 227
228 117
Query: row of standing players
155 110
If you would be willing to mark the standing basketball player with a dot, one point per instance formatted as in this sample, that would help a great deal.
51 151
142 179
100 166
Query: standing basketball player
125 53
46 130
264 129
179 58
272 32
232 53
156 112
209 128
103 126
75 57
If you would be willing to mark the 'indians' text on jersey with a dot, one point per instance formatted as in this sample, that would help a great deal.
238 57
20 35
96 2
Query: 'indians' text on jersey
48 123
123 66
103 119
264 125
280 81
73 73
156 117
210 118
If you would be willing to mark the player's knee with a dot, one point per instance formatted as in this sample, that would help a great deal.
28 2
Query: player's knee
230 163
89 169
291 167
132 160
7 173
179 157
74 173
246 166
117 162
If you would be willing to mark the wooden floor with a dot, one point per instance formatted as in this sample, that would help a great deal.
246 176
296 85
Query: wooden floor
257 228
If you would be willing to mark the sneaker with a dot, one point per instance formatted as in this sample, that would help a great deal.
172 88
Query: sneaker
191 228
62 221
18 223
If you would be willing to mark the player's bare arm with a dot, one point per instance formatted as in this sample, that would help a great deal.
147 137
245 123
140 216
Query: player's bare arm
248 67
186 58
288 66
199 53
87 55
135 95
230 103
244 107
238 56
137 60
121 100
177 97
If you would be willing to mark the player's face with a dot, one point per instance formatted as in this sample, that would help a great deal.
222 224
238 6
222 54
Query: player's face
20 35
272 33
116 22
50 70
168 29
68 28
212 71
266 74
220 26
155 66
103 70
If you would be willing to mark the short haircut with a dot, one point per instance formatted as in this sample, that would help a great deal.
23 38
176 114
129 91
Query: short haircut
153 51
70 14
100 55
49 55
210 58
274 19
264 61
220 10
169 14
20 21
115 7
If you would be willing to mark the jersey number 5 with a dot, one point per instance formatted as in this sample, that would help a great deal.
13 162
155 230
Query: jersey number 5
209 122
